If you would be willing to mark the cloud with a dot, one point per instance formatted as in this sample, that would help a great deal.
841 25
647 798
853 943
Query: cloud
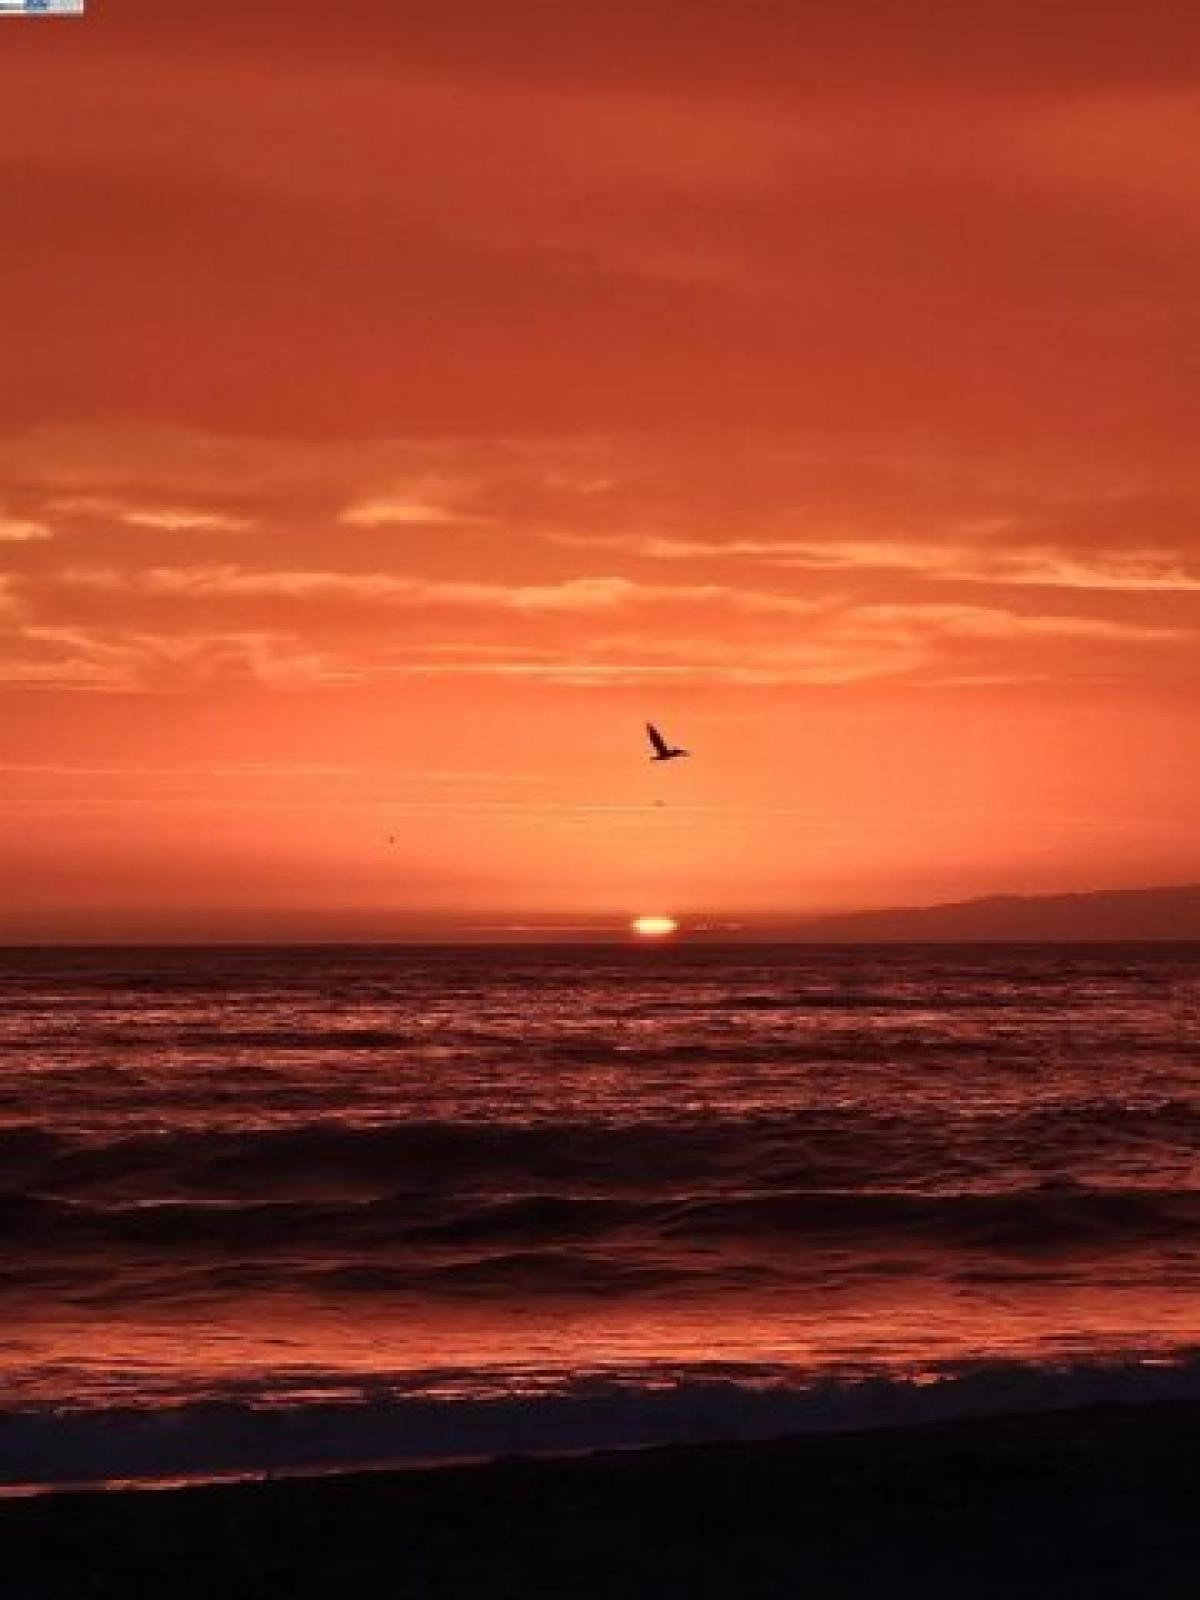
985 622
384 513
772 563
587 595
22 530
1131 571
232 582
547 244
169 518
115 659
181 519
838 642
1135 571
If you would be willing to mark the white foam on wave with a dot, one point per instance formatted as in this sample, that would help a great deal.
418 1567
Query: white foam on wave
248 1435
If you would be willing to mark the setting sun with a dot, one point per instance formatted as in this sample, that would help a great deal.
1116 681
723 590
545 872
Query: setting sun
654 927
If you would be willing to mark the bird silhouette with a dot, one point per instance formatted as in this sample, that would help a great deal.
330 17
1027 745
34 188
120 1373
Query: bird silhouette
662 750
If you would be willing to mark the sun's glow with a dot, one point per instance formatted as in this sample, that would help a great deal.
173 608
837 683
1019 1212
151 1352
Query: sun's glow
654 927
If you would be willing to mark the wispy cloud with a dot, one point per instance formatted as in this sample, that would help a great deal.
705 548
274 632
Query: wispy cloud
22 530
1137 571
579 595
986 622
399 512
135 661
839 644
183 519
167 518
1031 566
593 630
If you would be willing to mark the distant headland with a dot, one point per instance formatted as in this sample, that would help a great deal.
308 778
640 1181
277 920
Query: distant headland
1099 915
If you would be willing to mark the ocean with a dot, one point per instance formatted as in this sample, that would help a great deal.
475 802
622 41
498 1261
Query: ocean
270 1210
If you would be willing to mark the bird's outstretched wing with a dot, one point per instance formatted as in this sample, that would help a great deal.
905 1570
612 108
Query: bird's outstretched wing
656 739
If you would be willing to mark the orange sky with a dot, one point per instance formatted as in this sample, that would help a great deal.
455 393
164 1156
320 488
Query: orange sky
399 403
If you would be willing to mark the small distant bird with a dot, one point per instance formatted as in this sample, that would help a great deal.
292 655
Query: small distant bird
662 750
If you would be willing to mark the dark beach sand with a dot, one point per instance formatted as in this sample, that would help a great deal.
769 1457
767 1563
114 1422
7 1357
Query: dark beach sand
1083 1504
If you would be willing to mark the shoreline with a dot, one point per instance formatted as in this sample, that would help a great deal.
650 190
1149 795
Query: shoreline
214 1442
1088 1502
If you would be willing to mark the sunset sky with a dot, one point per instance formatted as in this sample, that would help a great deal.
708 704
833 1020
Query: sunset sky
401 402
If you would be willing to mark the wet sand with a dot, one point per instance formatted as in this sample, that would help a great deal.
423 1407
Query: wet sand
1085 1504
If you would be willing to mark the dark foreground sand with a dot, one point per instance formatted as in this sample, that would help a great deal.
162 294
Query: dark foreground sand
1085 1504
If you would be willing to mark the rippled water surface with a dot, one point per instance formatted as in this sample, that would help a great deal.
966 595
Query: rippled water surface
364 1204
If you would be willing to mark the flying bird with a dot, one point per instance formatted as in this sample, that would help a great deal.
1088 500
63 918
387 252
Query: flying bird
662 750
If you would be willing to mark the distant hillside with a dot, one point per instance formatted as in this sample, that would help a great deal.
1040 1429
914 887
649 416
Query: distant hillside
1110 914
